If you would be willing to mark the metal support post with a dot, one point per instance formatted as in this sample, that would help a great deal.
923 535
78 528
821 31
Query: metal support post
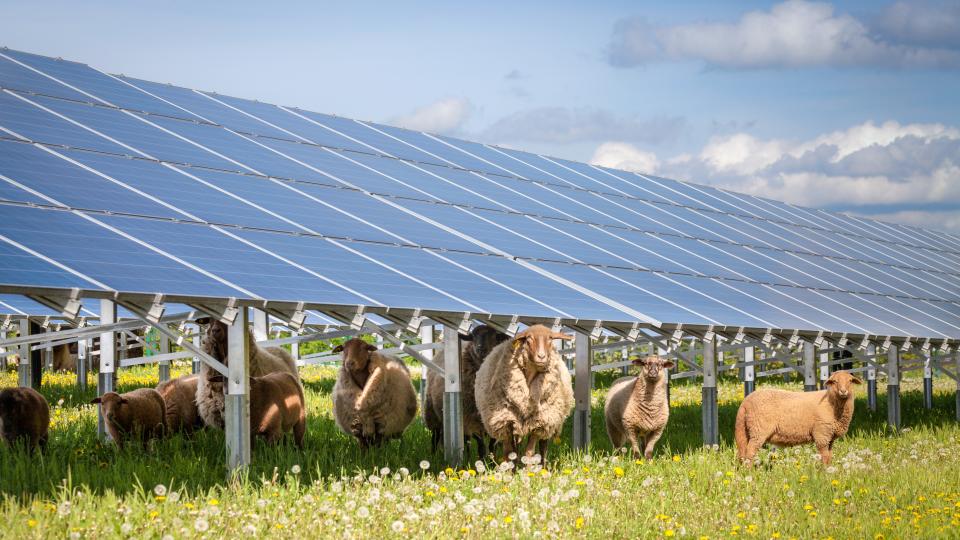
164 365
237 408
261 326
426 336
663 353
625 356
295 347
893 386
108 356
872 378
83 363
48 356
581 391
195 367
24 371
749 371
927 381
956 363
709 392
809 367
452 408
824 370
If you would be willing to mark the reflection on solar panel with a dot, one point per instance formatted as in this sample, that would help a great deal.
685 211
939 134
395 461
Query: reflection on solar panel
113 183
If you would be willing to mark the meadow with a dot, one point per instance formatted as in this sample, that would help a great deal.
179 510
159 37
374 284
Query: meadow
881 484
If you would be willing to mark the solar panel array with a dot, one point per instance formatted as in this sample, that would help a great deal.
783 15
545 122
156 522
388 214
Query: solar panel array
109 182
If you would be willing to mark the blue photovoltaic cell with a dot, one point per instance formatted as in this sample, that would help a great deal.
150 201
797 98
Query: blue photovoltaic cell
14 304
372 137
17 77
450 156
36 124
18 267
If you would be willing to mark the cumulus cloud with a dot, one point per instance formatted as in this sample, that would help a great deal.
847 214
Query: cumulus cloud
869 168
443 117
566 125
927 24
625 156
792 34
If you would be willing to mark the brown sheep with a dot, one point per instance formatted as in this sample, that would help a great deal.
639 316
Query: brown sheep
788 418
180 400
136 414
523 389
210 400
373 399
24 414
480 341
637 409
276 406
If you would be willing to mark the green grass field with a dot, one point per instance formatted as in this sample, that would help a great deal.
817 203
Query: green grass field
881 485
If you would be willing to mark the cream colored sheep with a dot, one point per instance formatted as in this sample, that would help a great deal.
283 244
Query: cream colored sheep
792 418
637 408
180 400
386 402
479 342
210 398
523 389
136 414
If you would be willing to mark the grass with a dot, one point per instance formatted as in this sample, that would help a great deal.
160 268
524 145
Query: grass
881 484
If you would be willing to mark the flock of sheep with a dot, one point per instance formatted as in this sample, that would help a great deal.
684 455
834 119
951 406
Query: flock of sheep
516 395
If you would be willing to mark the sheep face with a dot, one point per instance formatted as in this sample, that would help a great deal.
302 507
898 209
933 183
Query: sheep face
214 338
112 405
652 366
356 357
482 340
537 343
841 384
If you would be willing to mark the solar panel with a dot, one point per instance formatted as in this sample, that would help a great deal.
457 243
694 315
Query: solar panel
229 197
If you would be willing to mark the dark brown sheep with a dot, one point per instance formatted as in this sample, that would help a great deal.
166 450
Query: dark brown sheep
276 406
134 415
24 414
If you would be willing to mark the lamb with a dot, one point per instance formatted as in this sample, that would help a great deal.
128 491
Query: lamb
210 398
276 406
24 414
373 398
788 418
523 389
180 400
480 341
637 408
137 414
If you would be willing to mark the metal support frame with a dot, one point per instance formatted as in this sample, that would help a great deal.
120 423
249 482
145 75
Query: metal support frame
872 379
809 367
108 355
295 347
581 391
709 411
927 381
237 405
956 361
24 371
163 366
893 386
452 406
749 375
195 365
83 363
824 368
261 326
426 336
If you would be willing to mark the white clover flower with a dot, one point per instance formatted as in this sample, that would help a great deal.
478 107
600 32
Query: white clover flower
295 469
384 471
397 526
201 525
363 512
424 464
262 503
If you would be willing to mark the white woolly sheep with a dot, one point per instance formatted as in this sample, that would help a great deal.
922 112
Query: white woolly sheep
788 418
24 414
136 414
210 398
523 389
373 398
479 342
637 408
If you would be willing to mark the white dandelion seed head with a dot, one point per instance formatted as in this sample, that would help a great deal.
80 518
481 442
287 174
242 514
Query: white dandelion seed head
373 479
74 535
847 493
173 496
397 526
404 471
159 490
363 512
167 537
384 471
126 528
512 456
201 525
295 469
424 464
336 487
587 458
249 529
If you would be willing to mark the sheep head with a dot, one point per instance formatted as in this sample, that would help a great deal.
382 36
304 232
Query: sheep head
356 359
536 344
840 384
111 403
214 338
482 340
652 366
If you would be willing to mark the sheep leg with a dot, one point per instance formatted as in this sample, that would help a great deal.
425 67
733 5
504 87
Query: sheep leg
754 444
531 445
509 446
544 444
651 441
299 429
634 443
825 450
481 446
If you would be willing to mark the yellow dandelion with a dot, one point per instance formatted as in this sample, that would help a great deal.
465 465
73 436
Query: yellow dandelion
775 535
676 458
443 489
508 519
618 471
579 523
31 523
213 502
668 532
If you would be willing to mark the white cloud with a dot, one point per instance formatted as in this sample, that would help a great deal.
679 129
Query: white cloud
795 33
625 156
444 116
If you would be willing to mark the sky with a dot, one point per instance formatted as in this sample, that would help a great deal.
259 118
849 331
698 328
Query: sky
850 106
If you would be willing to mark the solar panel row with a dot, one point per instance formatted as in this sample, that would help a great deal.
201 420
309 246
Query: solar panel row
313 207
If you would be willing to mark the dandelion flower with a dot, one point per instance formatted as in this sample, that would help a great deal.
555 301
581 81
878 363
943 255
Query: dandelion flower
397 526
512 456
201 525
363 512
668 532
424 464
404 471
384 471
126 528
295 469
160 490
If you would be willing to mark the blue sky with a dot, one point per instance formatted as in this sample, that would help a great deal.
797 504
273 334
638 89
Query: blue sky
849 106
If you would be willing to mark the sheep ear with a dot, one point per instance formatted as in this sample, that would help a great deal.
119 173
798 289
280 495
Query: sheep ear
371 347
637 361
96 400
856 380
124 401
338 348
466 337
203 320
830 381
558 335
668 364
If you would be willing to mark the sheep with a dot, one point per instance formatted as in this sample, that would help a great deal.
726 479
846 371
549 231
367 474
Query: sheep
180 400
276 406
637 408
373 398
210 400
480 341
523 389
788 418
137 414
24 414
63 358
